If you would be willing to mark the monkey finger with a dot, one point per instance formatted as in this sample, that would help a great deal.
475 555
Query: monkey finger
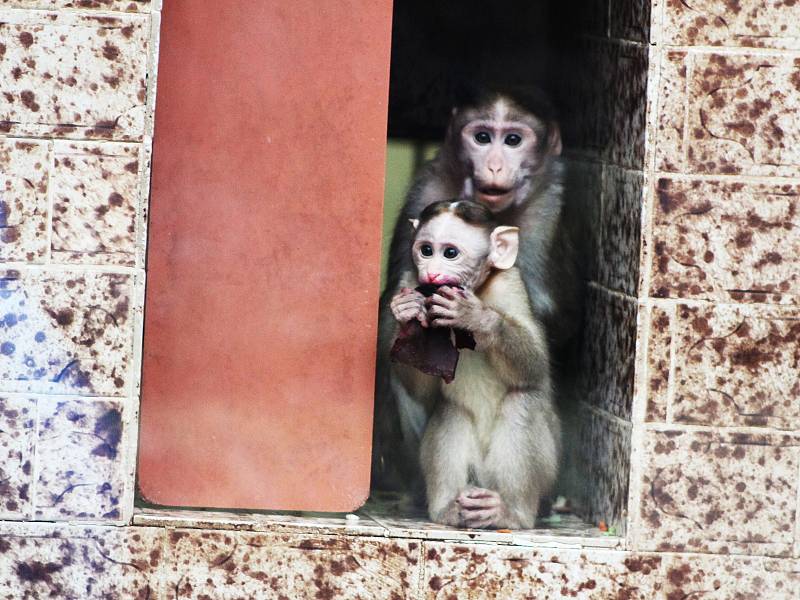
479 515
447 291
442 311
479 503
442 301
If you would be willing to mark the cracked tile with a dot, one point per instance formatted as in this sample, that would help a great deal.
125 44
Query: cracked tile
726 241
46 561
737 366
718 492
24 170
741 115
244 564
73 75
748 23
95 200
17 431
66 333
80 460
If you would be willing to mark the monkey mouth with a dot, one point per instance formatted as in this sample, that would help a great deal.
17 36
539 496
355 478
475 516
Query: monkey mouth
493 197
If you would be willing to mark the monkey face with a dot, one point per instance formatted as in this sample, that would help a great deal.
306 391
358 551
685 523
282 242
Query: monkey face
449 251
502 149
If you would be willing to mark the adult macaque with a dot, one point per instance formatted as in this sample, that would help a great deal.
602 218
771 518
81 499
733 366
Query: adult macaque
502 150
490 449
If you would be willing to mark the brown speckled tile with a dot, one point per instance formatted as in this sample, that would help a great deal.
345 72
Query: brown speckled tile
95 198
749 23
730 578
737 366
606 102
718 492
630 20
46 561
65 332
607 355
249 565
621 230
79 460
658 362
110 5
742 116
627 97
671 112
726 241
605 450
24 169
583 198
73 75
17 430
479 571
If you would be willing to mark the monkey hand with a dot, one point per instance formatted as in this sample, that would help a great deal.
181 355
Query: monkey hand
408 305
461 309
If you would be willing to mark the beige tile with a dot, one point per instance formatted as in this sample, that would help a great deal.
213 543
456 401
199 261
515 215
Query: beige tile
726 241
730 578
233 564
46 561
717 492
742 117
95 190
621 230
737 366
671 112
605 449
607 355
110 5
24 171
73 75
17 431
658 362
479 571
80 462
72 333
748 23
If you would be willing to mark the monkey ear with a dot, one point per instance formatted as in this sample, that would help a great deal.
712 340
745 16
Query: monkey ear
414 223
504 247
554 140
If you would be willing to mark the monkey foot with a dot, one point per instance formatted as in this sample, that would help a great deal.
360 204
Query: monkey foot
480 508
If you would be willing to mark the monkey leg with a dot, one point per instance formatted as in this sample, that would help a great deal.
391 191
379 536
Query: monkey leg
521 463
449 447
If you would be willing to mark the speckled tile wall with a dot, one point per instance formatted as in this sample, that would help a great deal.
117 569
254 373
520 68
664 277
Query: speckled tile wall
76 102
717 404
692 349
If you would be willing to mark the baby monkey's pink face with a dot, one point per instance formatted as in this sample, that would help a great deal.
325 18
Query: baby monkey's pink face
449 251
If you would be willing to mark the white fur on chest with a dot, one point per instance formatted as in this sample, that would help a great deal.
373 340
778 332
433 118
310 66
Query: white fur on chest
478 391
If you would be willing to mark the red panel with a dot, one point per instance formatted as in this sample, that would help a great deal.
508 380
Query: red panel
263 261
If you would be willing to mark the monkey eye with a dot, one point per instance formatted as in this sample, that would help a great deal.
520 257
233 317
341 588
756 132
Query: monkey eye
512 139
426 250
450 252
482 137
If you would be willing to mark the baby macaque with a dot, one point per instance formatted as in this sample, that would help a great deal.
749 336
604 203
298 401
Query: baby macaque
491 447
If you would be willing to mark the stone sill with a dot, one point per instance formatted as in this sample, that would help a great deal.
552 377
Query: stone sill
571 533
